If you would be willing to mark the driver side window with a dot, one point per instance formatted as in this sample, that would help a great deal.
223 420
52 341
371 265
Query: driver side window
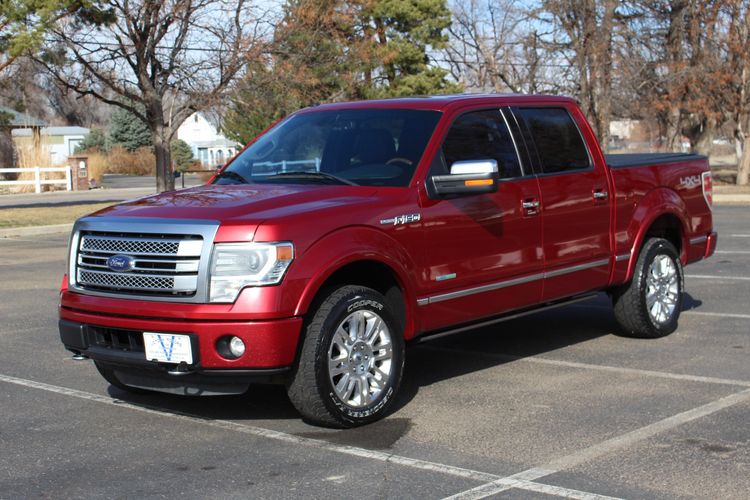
482 135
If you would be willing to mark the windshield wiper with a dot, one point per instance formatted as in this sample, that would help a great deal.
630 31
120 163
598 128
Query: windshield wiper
314 175
230 174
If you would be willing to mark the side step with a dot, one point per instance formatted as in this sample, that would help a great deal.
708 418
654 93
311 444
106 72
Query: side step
425 337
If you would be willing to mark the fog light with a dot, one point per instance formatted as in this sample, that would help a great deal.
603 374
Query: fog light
236 347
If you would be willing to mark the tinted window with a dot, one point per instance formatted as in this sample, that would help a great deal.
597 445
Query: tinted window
482 135
372 147
557 139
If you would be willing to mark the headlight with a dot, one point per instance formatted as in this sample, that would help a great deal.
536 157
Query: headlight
237 265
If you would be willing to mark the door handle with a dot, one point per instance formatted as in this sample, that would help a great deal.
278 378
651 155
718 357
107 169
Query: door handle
601 195
531 206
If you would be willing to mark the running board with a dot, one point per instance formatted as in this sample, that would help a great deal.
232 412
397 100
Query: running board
425 337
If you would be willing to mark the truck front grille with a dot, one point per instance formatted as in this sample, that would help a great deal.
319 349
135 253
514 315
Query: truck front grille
159 265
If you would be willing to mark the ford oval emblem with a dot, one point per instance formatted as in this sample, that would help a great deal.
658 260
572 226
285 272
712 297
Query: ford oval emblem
121 263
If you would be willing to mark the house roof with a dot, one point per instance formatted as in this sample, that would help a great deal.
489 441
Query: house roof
52 131
17 119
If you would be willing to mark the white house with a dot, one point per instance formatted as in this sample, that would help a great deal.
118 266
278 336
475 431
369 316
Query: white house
58 142
208 144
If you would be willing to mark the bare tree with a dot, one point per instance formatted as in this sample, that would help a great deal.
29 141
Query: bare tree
494 46
159 59
585 38
738 40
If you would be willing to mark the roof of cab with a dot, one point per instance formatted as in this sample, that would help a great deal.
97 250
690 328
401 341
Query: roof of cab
441 102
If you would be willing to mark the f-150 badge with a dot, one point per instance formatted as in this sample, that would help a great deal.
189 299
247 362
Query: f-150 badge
690 182
401 219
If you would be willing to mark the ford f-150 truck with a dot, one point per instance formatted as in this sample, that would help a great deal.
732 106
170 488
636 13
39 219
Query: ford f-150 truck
348 230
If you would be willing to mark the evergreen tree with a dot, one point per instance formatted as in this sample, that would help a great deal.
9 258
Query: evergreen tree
334 50
182 155
95 139
404 32
128 130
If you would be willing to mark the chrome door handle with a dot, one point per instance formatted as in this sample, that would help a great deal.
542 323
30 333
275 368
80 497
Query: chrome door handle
530 205
601 195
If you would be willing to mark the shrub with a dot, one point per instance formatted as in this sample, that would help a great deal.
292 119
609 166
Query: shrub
138 162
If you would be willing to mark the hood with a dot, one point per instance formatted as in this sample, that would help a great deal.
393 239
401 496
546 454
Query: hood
240 204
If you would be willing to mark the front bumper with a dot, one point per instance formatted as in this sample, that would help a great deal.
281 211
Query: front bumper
116 342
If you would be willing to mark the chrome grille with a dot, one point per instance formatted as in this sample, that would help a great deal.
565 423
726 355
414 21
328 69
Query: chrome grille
129 246
165 266
131 281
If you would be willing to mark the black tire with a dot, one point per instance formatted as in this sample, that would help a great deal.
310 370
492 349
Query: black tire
311 386
109 376
630 300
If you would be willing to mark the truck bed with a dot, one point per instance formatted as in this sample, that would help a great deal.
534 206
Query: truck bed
642 159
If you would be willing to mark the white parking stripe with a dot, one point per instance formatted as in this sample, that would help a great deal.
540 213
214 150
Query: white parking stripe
719 278
516 482
611 445
740 235
732 252
646 432
260 432
521 480
718 315
589 366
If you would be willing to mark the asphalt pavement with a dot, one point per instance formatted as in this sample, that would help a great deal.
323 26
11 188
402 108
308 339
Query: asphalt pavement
550 405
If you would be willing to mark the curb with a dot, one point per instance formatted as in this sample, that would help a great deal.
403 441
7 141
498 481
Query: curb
35 230
731 199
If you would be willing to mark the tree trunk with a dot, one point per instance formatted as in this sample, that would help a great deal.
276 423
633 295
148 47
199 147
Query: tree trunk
164 175
703 137
743 170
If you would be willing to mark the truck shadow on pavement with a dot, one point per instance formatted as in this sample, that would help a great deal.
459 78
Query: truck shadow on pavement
426 364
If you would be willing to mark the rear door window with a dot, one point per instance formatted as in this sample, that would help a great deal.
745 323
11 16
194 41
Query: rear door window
557 139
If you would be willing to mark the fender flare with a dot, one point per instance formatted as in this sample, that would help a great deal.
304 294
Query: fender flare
655 204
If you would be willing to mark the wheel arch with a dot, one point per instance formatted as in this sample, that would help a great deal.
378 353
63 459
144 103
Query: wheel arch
662 214
373 260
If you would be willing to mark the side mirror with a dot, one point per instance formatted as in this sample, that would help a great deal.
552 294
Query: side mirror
467 177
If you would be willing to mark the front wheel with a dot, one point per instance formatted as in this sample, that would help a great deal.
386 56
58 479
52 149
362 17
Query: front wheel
649 306
351 360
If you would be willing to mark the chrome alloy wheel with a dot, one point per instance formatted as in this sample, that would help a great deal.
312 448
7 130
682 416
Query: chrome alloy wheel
359 358
662 289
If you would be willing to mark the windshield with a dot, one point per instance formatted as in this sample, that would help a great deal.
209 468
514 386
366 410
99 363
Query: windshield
368 147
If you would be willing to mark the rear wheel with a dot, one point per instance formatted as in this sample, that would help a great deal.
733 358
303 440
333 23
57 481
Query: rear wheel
351 361
649 306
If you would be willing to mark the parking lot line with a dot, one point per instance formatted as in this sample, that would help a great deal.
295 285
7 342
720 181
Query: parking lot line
740 235
716 277
732 252
261 432
610 445
719 315
589 366
521 480
524 481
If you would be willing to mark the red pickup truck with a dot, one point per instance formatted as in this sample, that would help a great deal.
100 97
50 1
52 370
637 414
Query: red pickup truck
347 230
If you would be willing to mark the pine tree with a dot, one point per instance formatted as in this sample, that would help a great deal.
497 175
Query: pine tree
128 130
182 155
95 139
335 50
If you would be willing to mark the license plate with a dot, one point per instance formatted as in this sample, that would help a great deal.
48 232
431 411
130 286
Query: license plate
168 348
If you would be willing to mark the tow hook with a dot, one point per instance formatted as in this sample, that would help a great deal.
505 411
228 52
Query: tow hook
180 370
